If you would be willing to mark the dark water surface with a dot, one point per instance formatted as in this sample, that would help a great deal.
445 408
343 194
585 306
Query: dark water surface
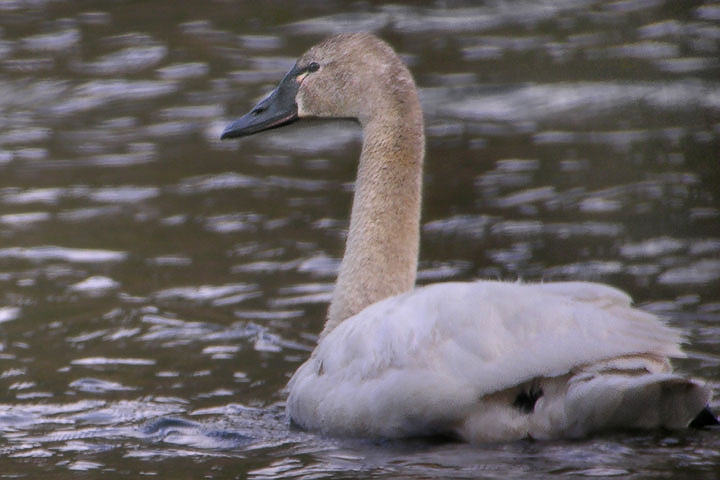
158 287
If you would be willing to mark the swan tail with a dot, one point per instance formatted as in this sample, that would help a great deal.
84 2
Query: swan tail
636 392
615 401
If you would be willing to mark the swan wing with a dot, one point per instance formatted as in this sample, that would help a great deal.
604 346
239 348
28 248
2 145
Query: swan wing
423 359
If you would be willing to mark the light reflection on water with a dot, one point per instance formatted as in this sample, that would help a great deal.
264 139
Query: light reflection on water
158 287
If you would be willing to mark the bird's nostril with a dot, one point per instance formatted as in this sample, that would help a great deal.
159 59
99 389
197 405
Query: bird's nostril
258 111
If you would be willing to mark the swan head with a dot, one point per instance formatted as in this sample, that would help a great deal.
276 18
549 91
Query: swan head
345 76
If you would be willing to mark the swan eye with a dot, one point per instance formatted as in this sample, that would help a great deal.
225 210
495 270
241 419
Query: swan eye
313 67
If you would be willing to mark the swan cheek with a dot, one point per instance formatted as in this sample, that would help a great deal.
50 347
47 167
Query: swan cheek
302 112
310 104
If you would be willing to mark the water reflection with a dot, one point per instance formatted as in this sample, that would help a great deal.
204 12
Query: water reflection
158 287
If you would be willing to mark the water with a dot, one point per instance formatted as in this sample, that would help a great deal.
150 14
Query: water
158 287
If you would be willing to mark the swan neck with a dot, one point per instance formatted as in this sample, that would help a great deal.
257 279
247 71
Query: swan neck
381 252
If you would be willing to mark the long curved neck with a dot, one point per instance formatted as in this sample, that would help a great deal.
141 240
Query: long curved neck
381 253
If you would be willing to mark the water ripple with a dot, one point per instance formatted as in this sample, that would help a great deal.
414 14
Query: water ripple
128 60
9 313
73 255
36 195
96 285
588 99
698 273
181 71
222 181
102 361
205 292
341 23
473 226
56 41
653 247
96 385
124 194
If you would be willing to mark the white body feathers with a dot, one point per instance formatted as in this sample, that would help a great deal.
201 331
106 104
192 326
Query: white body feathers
452 358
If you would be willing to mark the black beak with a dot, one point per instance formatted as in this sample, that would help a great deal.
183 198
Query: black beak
275 110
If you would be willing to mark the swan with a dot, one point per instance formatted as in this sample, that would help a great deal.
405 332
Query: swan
477 361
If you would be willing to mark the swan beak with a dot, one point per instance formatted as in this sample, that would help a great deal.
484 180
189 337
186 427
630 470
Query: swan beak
277 109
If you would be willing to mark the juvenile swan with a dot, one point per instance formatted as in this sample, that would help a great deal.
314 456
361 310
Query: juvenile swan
481 361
